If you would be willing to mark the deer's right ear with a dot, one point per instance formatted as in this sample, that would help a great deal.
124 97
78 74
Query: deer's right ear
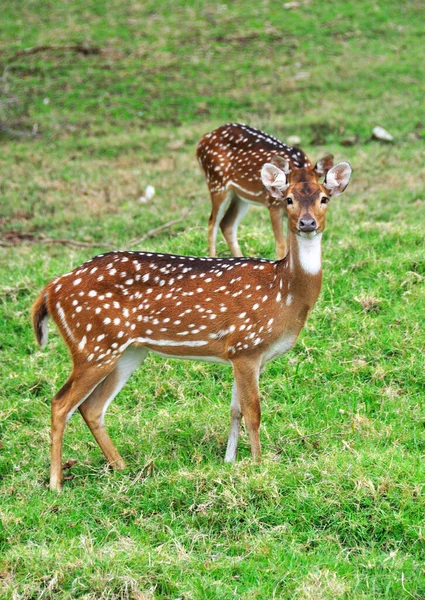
274 180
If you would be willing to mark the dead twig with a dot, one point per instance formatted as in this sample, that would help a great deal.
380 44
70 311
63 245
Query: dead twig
13 238
17 133
79 48
160 228
59 241
75 243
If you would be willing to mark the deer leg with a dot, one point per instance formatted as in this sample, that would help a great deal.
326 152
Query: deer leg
229 225
235 421
78 387
220 201
94 408
246 377
276 216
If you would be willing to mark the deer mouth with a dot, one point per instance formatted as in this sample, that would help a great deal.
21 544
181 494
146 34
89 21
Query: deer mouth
308 234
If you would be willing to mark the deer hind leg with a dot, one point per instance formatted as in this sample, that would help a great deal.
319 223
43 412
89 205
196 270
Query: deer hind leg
247 373
79 386
220 201
276 217
229 224
94 408
235 422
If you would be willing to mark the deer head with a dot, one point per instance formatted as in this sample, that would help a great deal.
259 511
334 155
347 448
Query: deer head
306 198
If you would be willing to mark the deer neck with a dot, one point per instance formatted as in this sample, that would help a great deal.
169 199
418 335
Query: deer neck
304 267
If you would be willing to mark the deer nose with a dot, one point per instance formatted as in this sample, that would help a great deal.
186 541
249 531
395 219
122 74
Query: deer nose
307 223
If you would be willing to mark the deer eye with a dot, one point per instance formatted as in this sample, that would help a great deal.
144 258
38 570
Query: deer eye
324 200
289 201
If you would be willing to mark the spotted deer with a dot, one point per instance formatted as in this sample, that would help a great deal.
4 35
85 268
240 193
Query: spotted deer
231 158
244 312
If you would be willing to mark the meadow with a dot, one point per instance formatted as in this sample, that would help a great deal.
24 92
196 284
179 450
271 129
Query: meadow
99 100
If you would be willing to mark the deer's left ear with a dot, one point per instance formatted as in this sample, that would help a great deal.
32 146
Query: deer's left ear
338 178
324 164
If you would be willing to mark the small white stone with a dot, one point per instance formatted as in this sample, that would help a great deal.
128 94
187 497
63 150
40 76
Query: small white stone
148 195
381 134
294 140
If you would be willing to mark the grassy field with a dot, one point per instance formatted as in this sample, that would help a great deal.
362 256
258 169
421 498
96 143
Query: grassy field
117 100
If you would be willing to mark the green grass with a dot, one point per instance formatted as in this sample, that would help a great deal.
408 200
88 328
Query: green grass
336 509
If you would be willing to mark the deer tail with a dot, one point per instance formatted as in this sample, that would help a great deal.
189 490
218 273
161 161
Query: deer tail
40 316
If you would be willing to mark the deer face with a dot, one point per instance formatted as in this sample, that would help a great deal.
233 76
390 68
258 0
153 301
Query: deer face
304 197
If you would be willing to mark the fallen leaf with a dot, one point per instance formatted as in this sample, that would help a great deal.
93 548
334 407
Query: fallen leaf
69 464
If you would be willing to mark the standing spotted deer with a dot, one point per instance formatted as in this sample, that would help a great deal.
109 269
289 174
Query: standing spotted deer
231 158
115 308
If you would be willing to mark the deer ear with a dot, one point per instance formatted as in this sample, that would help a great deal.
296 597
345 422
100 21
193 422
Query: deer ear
324 164
281 163
274 180
338 178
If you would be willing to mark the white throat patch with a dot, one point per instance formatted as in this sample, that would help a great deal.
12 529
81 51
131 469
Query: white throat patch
310 253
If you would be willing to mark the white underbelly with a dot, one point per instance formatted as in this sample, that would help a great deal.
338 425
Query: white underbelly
214 359
281 346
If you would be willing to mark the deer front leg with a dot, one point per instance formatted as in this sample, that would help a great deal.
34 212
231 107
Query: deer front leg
276 217
235 422
247 374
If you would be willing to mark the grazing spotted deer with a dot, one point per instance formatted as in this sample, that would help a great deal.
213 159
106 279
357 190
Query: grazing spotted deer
231 158
115 308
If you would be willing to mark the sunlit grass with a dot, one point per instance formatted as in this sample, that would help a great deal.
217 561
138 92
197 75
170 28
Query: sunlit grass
336 508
